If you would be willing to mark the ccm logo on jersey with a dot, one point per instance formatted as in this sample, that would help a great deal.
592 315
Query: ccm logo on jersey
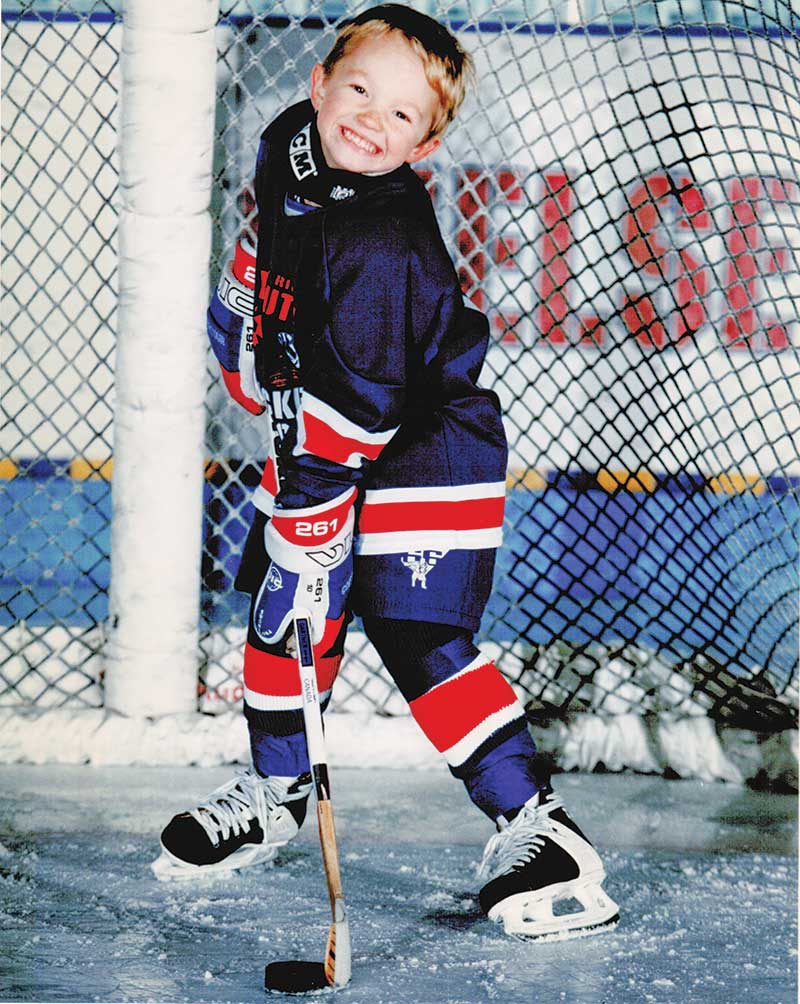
300 154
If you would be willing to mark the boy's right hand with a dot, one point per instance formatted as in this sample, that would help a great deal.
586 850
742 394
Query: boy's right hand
311 566
323 594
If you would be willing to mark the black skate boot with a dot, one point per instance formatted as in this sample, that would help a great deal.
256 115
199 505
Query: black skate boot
242 823
540 859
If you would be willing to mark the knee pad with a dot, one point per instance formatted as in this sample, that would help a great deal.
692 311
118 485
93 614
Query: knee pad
419 655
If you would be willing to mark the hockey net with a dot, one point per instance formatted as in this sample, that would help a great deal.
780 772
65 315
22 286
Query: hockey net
620 197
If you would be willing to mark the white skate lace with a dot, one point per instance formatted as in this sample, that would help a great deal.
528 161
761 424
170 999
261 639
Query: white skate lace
520 841
230 808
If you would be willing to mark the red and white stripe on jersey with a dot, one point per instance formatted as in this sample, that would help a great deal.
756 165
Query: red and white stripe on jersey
265 492
324 432
272 683
316 524
244 262
394 520
461 714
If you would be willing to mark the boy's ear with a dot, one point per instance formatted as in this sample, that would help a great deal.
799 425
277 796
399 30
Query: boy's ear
318 80
424 149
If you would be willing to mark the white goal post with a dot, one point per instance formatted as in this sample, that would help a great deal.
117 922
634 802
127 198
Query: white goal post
166 137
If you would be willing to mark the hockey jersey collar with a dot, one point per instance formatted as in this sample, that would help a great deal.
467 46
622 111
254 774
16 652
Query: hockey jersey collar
312 184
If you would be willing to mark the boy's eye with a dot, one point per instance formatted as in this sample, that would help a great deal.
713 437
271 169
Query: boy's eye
359 89
403 116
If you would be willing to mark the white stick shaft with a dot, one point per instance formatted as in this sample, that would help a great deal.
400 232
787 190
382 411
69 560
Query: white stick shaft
312 713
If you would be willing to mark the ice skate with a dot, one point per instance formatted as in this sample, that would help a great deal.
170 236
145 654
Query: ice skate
242 823
536 866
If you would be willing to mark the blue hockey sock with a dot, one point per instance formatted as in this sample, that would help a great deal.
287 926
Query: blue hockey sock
286 756
504 779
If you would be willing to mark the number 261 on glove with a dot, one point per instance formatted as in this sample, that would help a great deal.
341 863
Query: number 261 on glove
316 579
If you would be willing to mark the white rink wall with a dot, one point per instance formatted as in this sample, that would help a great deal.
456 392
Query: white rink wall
677 746
598 112
718 411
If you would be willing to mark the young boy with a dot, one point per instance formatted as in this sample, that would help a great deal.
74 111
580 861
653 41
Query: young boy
383 491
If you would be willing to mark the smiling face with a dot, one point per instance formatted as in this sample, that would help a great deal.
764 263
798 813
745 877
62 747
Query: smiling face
375 108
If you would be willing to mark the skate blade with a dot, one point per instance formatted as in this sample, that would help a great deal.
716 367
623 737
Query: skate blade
568 933
530 917
167 868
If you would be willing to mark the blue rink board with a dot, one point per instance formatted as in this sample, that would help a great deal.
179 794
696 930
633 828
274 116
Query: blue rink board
670 570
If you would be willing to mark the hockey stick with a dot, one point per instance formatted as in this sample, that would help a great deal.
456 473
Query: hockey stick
300 977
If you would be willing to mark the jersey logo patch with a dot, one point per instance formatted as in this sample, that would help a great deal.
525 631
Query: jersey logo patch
300 154
420 565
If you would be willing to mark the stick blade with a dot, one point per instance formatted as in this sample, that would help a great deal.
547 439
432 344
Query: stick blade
337 952
295 977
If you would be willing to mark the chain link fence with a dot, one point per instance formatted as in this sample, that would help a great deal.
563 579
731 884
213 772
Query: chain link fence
59 304
620 198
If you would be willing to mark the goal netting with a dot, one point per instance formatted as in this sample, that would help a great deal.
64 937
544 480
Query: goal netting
621 198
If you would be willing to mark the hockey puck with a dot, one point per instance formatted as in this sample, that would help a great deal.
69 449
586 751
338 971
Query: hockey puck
295 977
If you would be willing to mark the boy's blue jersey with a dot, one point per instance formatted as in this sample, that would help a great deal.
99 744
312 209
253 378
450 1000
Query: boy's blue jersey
369 359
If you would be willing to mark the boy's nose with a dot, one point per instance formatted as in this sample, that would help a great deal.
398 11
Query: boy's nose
370 117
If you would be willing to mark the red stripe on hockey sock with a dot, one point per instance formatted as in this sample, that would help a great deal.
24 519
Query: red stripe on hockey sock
271 675
465 514
452 710
324 441
234 385
278 676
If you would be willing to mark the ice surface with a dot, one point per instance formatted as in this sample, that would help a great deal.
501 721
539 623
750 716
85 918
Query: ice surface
705 875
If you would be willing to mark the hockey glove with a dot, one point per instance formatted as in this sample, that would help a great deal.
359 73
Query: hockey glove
229 323
311 566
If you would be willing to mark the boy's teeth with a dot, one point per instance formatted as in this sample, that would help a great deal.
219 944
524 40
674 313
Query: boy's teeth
359 141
